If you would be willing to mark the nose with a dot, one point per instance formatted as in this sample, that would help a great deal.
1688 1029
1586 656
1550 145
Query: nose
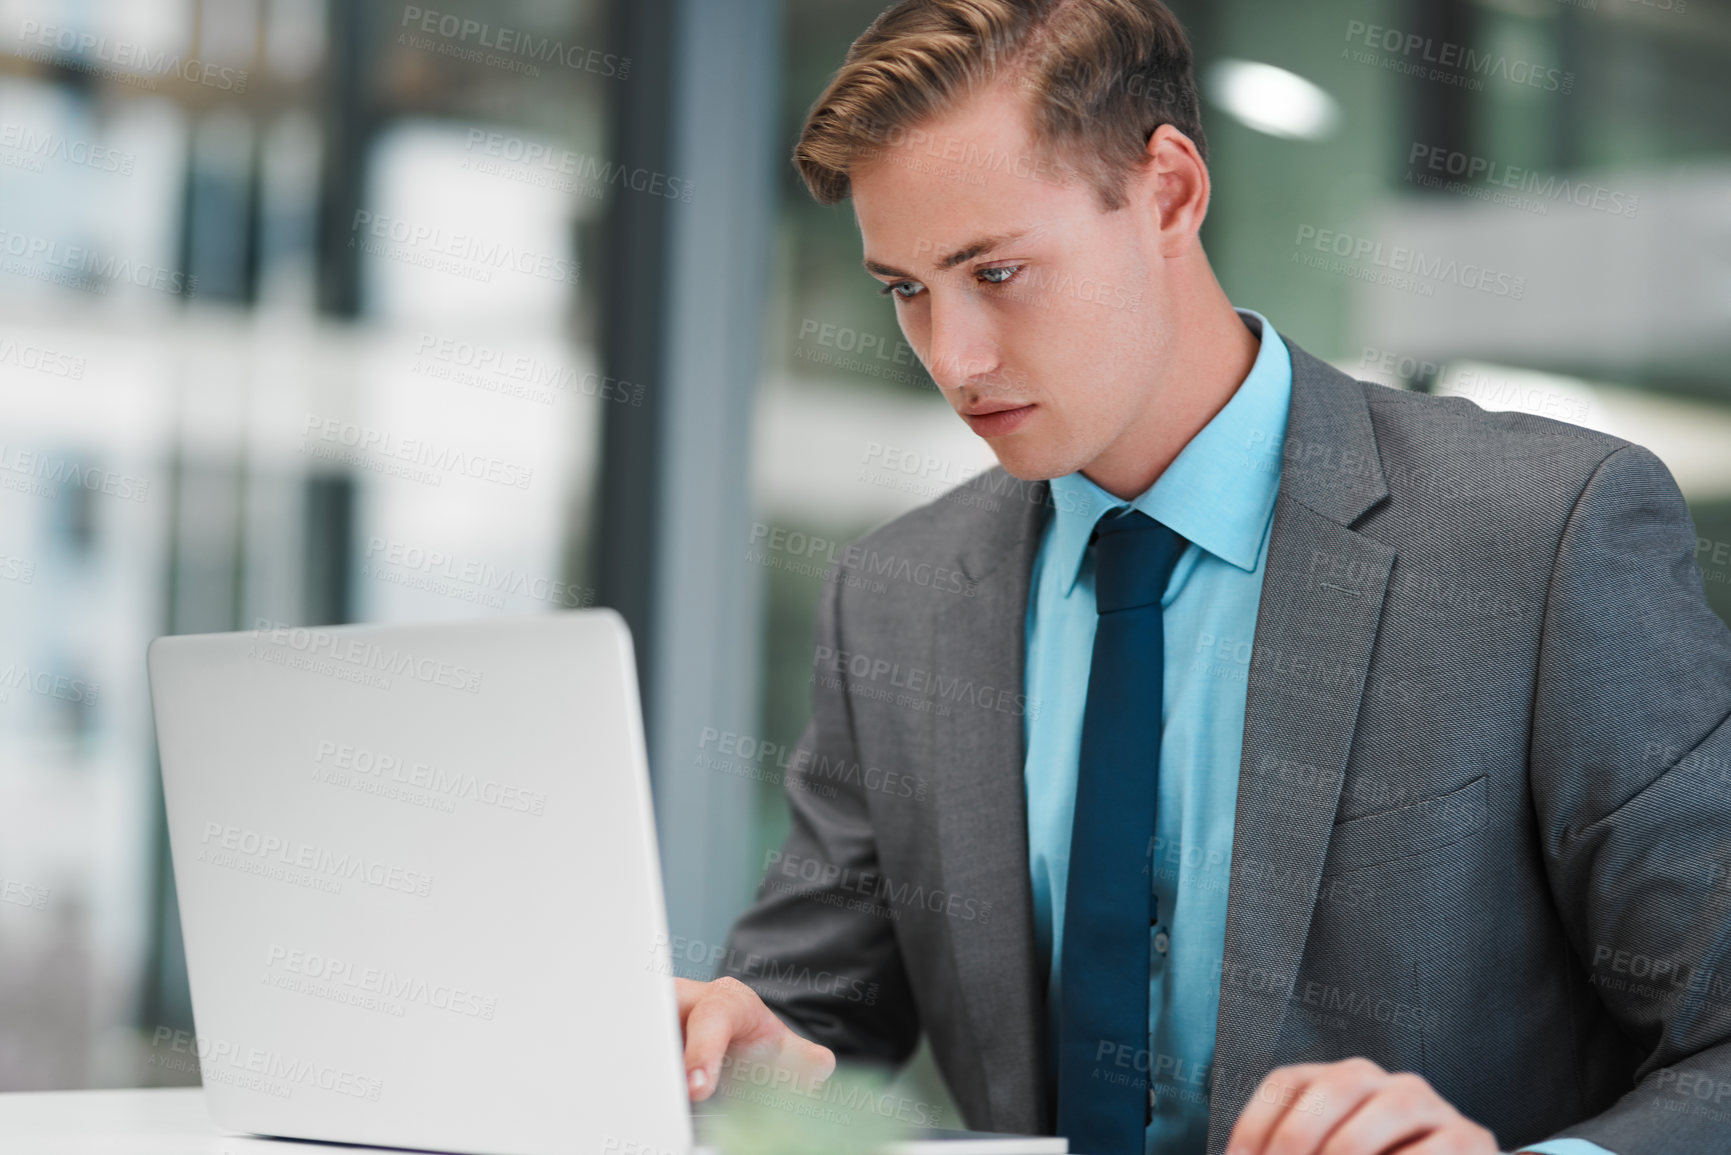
962 346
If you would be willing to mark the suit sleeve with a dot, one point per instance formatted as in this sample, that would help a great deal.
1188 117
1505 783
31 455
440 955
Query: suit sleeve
1630 771
815 945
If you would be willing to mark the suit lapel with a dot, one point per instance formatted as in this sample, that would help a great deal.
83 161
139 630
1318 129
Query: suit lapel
982 810
1313 640
1315 630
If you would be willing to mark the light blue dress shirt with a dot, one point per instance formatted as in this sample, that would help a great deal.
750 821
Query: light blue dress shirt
1219 495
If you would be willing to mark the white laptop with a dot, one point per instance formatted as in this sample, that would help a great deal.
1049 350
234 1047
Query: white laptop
419 888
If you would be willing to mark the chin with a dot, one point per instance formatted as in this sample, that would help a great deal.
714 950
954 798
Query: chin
1031 463
1042 449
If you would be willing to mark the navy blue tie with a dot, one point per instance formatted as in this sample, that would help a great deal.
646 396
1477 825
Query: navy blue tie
1103 1065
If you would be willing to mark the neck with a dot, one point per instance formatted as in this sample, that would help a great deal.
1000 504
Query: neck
1211 353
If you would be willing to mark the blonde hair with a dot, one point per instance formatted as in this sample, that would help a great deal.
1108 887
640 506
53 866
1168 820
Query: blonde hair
1099 76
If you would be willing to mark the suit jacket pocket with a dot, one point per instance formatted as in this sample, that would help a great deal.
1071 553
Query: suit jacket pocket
1410 830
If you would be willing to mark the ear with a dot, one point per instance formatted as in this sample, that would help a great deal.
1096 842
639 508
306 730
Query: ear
1172 184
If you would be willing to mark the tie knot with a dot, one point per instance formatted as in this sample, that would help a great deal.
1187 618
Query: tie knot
1133 560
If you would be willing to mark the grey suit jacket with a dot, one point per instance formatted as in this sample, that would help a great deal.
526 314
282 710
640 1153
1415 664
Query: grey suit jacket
1483 828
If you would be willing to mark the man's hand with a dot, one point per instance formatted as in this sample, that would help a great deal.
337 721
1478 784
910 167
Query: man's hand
724 1018
1352 1107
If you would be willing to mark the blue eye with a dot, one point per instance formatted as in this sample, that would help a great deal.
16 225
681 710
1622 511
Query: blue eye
996 275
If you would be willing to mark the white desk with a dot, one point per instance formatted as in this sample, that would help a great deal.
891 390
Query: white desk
159 1121
172 1121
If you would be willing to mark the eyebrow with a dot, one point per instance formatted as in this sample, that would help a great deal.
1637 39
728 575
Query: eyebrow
966 252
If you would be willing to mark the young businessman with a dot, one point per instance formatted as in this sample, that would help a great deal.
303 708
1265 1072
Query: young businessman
1315 768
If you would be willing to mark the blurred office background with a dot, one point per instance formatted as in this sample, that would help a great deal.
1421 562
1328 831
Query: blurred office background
253 252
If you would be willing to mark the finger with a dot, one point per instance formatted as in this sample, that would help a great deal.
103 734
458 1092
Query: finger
1463 1138
1335 1095
814 1059
1405 1108
687 992
1256 1122
709 1028
1297 1106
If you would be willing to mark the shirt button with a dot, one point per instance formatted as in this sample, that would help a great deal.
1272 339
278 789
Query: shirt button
1162 941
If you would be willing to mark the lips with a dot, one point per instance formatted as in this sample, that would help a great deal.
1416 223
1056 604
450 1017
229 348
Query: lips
994 419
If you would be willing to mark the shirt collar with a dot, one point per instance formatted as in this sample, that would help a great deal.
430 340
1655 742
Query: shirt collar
1219 491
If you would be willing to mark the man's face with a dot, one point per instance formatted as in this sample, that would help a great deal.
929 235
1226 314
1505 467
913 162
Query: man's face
1049 341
